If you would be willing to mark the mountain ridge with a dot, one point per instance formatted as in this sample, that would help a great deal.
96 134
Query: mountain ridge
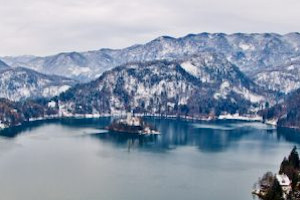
251 52
3 65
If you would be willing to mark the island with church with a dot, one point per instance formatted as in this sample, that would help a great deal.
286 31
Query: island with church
132 125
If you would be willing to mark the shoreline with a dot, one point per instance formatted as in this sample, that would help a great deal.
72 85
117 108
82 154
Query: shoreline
227 117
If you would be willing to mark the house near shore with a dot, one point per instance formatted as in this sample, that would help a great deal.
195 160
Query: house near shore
285 183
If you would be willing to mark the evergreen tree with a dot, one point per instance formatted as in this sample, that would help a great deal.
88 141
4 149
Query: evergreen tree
284 165
294 158
275 192
295 179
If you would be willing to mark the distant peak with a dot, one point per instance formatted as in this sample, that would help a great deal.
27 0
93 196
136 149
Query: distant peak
293 34
165 37
3 65
162 38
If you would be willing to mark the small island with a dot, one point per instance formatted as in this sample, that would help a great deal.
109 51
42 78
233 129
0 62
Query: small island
132 125
282 186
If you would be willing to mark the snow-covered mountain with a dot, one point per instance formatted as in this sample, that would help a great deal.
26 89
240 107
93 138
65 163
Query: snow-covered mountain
201 85
199 75
21 83
250 52
284 78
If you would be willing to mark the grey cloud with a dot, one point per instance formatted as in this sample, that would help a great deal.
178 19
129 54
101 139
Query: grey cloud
44 27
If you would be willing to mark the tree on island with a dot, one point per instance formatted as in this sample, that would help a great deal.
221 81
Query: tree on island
285 164
275 192
290 167
266 181
294 158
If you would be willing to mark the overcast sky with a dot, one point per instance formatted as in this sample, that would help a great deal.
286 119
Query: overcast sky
44 27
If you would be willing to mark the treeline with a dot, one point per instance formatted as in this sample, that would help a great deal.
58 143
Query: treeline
15 113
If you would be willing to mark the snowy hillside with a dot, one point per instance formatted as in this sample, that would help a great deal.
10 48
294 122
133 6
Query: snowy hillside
199 85
284 78
20 83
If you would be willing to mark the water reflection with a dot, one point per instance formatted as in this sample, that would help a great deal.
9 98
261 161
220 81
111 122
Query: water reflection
69 122
129 141
289 135
206 136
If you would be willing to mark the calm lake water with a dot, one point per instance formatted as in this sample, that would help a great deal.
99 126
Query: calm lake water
76 159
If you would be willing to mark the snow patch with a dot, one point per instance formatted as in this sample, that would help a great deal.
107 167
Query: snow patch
237 116
248 95
246 47
2 126
76 71
190 68
52 104
223 91
272 122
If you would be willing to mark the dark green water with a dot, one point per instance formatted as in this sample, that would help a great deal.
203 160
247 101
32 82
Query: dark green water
78 160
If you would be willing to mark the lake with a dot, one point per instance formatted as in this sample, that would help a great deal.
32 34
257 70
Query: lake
76 159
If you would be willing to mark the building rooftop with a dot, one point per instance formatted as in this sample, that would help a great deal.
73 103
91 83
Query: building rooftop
283 179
